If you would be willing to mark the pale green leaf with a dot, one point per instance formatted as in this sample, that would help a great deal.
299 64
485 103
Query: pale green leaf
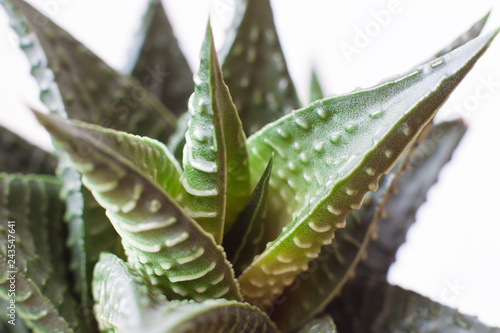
329 154
154 229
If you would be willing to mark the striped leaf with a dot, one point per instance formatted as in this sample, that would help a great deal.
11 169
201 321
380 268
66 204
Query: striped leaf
356 137
91 90
161 66
124 303
256 71
154 229
18 155
240 243
42 293
216 174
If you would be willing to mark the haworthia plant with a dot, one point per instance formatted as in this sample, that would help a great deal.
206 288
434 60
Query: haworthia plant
359 140
217 232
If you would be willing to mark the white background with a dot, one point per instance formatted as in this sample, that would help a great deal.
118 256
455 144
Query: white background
452 254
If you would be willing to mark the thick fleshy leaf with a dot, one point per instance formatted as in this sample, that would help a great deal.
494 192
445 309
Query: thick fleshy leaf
326 275
371 306
323 324
425 163
161 66
256 71
90 230
216 173
154 229
358 137
32 249
124 303
315 91
91 90
18 155
240 243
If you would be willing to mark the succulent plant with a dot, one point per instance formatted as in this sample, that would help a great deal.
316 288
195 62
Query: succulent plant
232 208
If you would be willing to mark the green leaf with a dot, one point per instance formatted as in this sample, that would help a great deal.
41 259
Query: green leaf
90 230
216 174
315 91
240 243
18 155
312 290
154 229
256 71
467 36
42 293
161 66
124 303
323 324
91 90
356 138
381 307
424 166
37 311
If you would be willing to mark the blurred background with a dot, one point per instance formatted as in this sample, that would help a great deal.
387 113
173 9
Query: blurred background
452 252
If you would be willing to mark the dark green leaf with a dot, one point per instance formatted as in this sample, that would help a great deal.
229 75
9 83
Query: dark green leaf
424 166
256 71
18 155
161 67
91 90
371 306
241 241
154 229
358 137
42 291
